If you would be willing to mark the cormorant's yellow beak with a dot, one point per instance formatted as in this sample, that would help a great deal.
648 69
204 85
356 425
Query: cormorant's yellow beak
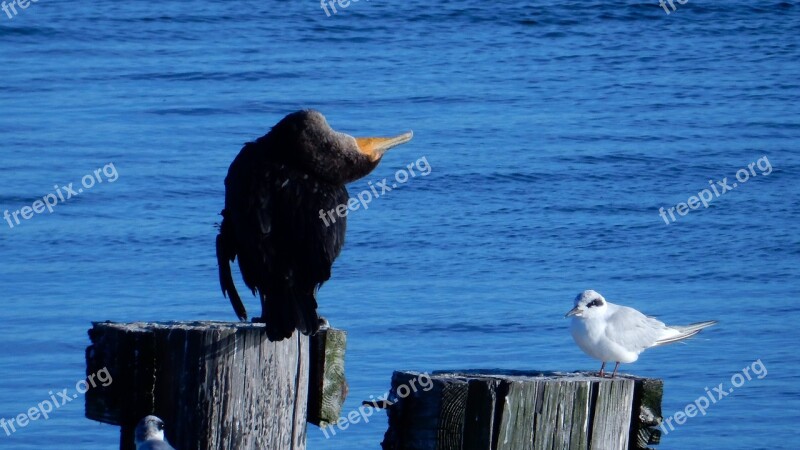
375 147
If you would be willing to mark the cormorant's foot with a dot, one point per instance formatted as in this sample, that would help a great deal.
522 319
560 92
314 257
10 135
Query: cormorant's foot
323 323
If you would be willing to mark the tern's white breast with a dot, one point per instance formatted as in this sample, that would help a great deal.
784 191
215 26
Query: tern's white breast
590 335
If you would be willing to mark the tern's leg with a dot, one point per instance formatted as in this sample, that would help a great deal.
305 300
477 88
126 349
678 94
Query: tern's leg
615 370
601 369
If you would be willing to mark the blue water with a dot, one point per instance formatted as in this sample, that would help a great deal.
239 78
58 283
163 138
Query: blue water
554 132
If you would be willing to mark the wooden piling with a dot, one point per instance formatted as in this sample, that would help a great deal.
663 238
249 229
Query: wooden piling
328 386
216 385
522 410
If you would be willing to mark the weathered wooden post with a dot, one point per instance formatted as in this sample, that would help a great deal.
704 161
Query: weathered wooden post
520 410
216 385
328 387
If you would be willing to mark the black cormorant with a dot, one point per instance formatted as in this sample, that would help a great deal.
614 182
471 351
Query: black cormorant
274 192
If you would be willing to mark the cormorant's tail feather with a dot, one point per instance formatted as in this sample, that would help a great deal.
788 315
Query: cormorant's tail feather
306 313
288 312
685 332
226 280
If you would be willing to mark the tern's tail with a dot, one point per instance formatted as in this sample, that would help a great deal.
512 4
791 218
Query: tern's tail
679 333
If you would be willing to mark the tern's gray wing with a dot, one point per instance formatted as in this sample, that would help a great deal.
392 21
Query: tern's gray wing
633 330
155 445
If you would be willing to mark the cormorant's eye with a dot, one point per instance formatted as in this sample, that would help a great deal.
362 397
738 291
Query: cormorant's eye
161 425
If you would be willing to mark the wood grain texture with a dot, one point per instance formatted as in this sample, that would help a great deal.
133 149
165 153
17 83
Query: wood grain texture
613 407
479 414
328 385
649 398
216 385
523 410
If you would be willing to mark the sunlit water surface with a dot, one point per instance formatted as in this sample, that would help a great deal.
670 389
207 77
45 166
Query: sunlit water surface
554 132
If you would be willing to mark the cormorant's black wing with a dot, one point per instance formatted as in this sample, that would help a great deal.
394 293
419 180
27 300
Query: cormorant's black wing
238 183
304 247
285 249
